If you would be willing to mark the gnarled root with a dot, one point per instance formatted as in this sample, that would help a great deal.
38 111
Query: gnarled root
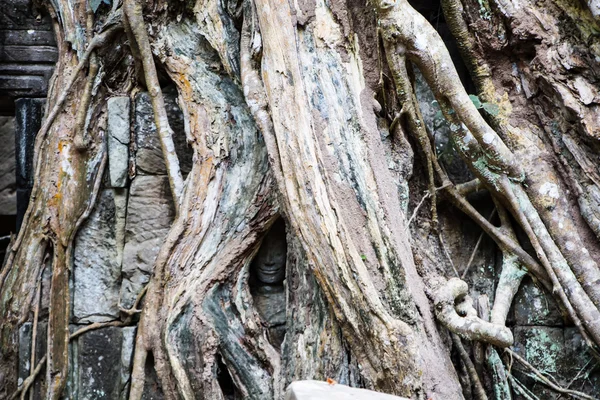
454 309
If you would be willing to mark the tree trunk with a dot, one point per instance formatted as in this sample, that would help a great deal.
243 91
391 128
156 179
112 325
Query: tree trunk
306 120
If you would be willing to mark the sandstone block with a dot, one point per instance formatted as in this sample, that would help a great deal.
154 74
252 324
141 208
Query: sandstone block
97 267
148 157
100 364
8 185
118 140
150 213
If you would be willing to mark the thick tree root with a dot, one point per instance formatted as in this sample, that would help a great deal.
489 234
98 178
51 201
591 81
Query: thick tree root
454 309
135 23
464 356
80 141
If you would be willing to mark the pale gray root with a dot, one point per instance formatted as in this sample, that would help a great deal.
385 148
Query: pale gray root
551 209
451 299
80 141
519 388
511 275
519 205
34 329
483 150
135 21
410 108
466 188
99 41
581 308
407 32
478 390
482 304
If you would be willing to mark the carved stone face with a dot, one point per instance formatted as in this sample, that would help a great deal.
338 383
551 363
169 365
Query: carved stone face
269 263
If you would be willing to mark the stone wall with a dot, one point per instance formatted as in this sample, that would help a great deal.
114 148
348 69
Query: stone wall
115 250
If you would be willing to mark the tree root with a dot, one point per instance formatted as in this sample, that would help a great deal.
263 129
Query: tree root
135 23
474 252
99 41
80 140
519 388
31 378
454 309
537 375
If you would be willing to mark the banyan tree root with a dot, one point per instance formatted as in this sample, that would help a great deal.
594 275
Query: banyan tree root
38 367
474 377
407 34
135 23
454 309
80 140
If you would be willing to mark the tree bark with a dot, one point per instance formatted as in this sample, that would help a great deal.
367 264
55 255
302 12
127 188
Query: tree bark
307 112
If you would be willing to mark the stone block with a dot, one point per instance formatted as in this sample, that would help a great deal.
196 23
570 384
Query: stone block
533 306
316 390
28 120
100 364
24 351
24 366
150 213
542 346
118 140
23 196
8 184
127 348
148 157
97 267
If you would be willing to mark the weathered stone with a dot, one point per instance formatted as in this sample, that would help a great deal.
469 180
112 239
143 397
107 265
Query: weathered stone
316 390
28 120
543 346
532 306
23 196
118 140
127 347
270 304
24 351
150 213
100 364
148 157
97 268
8 185
28 51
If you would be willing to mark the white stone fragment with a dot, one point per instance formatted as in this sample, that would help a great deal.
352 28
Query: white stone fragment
316 390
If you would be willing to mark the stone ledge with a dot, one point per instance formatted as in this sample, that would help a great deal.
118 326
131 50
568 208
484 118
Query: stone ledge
317 390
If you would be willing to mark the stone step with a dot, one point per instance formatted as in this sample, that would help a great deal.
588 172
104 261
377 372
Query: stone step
317 390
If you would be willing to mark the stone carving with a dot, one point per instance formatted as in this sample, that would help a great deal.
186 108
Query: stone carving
150 213
97 267
269 263
267 273
8 201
